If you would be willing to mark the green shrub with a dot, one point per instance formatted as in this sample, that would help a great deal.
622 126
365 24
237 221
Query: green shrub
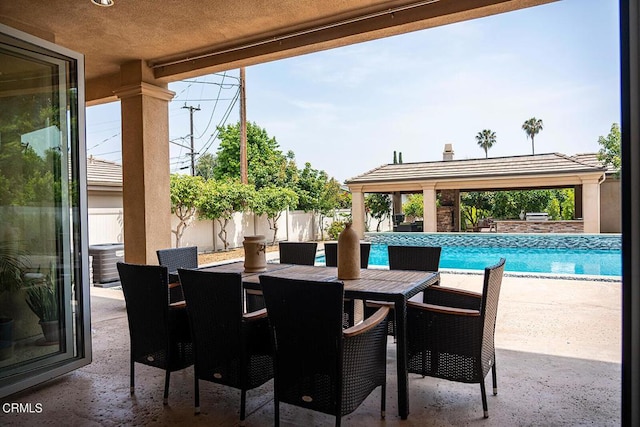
335 229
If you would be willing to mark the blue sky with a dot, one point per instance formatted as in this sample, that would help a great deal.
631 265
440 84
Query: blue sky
346 110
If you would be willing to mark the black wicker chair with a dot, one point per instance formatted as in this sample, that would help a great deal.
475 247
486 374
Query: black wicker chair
318 365
451 335
301 253
175 258
159 331
331 260
331 254
420 258
231 348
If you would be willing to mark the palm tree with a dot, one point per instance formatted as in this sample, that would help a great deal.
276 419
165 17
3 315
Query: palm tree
532 127
486 139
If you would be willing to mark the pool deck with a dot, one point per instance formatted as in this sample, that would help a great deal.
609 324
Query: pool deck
558 345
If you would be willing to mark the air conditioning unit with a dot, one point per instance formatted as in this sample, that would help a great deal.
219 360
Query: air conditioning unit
105 256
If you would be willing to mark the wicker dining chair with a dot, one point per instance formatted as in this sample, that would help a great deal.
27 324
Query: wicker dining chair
159 332
331 254
318 365
301 253
420 258
175 258
451 334
232 348
331 260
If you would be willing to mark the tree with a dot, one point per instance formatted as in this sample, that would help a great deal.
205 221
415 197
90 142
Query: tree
414 206
267 165
486 139
185 193
272 201
532 127
395 158
317 193
378 205
221 199
609 153
400 157
475 205
206 165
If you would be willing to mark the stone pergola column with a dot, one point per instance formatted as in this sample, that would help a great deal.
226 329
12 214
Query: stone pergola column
145 164
357 210
591 204
430 215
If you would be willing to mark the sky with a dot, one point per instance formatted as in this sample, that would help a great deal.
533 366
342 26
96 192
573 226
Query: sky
346 110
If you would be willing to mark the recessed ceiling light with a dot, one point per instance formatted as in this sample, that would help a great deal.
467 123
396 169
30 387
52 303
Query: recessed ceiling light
103 3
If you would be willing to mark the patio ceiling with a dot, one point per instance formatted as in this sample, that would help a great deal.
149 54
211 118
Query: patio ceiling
178 39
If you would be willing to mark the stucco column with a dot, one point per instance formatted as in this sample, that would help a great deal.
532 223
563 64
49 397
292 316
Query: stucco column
357 210
430 215
591 205
145 169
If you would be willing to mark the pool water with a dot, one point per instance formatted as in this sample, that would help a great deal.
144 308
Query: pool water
598 262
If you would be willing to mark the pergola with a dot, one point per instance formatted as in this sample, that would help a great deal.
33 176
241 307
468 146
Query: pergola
501 173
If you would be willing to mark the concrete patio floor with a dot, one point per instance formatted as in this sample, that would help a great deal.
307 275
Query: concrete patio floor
558 363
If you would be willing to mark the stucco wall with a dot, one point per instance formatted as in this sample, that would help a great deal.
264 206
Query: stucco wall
611 206
102 199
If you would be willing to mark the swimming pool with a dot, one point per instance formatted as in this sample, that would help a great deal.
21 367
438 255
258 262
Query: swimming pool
598 255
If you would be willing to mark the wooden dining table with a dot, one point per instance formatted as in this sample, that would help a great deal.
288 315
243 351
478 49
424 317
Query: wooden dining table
395 286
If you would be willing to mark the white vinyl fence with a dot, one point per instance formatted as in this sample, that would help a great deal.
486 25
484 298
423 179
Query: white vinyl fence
106 226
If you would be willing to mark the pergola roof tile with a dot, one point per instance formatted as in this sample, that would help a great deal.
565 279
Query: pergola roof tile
513 166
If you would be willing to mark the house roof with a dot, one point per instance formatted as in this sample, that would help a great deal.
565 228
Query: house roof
495 167
103 173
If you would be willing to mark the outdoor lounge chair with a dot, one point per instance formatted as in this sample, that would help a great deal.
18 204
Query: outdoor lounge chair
231 348
318 365
175 258
451 334
159 331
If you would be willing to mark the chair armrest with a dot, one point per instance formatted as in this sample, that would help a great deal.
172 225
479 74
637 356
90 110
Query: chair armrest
178 305
456 291
174 285
255 315
451 297
368 324
442 309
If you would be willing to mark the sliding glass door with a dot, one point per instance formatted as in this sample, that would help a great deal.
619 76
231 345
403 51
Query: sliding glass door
44 315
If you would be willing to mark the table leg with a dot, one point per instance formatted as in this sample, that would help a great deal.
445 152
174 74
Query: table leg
401 350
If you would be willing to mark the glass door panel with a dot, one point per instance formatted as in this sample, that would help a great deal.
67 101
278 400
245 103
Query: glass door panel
42 312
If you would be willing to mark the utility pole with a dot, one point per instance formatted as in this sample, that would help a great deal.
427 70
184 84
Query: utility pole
192 153
244 175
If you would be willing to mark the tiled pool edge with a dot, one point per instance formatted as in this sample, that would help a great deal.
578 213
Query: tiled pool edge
543 240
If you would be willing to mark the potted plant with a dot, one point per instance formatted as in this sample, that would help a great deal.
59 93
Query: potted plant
42 299
12 266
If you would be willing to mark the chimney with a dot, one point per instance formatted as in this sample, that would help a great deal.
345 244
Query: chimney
447 154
